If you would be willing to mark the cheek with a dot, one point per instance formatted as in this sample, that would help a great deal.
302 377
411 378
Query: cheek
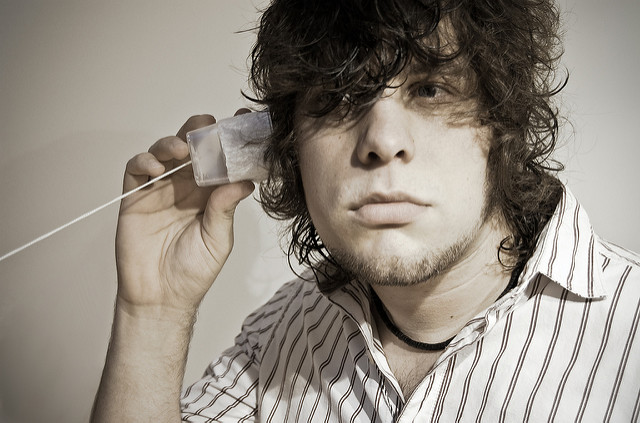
463 164
322 167
462 156
316 184
324 158
476 187
474 176
312 170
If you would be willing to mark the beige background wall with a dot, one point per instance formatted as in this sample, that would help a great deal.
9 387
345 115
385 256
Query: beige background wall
84 85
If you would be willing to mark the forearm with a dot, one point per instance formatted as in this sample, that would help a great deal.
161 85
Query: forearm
143 374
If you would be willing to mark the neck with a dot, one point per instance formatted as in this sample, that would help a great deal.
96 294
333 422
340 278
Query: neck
436 309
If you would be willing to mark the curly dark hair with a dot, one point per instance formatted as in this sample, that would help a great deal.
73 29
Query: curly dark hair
325 51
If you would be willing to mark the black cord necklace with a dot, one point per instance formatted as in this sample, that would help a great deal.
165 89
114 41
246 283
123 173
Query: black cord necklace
425 346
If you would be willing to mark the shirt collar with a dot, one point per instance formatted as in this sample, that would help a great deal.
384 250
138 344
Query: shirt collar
566 251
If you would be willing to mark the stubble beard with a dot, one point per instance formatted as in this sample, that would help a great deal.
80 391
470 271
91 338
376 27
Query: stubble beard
399 270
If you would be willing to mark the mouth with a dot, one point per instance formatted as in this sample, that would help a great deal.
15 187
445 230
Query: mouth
394 209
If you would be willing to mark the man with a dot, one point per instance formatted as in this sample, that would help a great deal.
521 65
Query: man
452 276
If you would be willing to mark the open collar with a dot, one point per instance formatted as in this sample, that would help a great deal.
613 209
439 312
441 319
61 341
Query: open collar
567 251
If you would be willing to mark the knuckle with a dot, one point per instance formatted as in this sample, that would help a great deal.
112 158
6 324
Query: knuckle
201 120
138 158
133 163
161 143
195 122
242 111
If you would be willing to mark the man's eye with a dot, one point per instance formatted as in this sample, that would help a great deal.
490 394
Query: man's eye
429 91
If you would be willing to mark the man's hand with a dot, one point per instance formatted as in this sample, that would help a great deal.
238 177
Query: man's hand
173 237
172 241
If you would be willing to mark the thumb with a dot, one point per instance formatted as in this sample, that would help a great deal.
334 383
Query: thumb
217 222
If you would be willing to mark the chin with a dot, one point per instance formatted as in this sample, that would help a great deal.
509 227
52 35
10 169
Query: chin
394 269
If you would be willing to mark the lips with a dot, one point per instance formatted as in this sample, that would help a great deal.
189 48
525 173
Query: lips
388 209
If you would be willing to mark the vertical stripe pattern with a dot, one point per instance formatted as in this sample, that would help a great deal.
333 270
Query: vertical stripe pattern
561 346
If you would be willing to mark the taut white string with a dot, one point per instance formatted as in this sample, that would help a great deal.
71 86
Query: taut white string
97 209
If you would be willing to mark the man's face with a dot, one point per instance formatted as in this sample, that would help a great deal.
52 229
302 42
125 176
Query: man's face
398 193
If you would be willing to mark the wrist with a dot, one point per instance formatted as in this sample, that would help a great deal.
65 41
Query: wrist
154 328
162 314
152 333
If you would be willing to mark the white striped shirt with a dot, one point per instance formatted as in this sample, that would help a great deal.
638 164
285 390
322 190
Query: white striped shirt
561 346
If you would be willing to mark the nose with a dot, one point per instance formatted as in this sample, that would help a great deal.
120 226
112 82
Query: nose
385 135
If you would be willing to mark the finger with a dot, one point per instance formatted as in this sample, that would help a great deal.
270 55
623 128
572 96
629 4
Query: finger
217 222
195 122
242 111
139 169
169 148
